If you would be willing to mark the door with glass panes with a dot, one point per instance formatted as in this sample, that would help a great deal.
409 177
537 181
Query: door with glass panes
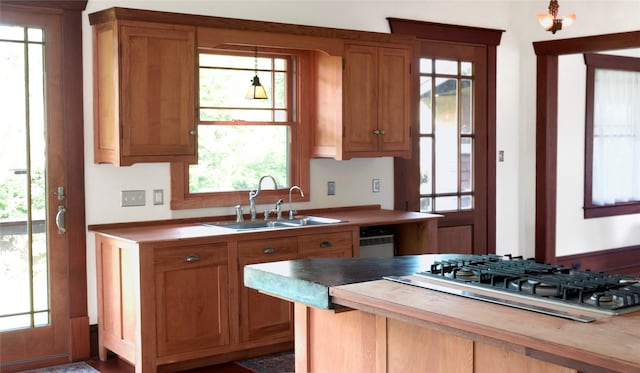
448 172
34 251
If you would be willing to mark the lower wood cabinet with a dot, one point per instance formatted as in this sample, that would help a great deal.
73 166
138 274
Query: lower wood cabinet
192 298
263 316
177 304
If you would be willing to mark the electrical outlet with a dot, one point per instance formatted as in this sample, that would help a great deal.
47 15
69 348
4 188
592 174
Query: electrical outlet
375 185
132 198
158 197
331 188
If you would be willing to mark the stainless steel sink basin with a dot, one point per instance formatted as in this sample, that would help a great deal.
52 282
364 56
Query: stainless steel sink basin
298 221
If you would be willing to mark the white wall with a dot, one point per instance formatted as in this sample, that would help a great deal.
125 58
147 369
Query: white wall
515 105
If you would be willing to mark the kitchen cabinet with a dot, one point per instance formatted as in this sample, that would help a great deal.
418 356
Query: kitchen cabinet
372 88
192 298
158 305
144 91
263 316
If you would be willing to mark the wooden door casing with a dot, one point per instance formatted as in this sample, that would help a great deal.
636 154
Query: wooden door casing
67 338
471 231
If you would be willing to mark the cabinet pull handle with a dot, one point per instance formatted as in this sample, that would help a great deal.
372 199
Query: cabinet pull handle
269 250
325 244
192 258
192 132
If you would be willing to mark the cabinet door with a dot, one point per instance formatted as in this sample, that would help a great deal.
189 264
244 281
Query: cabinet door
192 298
157 92
325 245
263 316
360 98
393 100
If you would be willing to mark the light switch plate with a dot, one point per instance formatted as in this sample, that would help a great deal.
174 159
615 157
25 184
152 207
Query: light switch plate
375 185
132 198
158 197
331 188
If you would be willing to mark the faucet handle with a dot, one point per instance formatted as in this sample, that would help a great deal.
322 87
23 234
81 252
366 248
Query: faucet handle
239 214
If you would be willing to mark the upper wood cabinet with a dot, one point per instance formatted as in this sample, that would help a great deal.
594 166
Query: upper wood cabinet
144 90
372 89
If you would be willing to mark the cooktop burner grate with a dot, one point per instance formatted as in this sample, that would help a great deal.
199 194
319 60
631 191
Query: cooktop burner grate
593 290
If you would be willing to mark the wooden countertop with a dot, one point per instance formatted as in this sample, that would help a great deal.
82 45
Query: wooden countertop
158 231
610 342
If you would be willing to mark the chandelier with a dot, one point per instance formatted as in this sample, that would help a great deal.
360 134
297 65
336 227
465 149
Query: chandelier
550 21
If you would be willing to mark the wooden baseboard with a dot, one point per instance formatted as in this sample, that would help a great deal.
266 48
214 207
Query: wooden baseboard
625 260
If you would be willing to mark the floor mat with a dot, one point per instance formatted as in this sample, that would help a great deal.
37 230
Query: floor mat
79 367
278 363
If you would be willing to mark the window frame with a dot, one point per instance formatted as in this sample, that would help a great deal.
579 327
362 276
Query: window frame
299 166
595 61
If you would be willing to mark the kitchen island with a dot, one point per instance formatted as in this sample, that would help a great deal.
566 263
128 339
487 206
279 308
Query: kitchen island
349 320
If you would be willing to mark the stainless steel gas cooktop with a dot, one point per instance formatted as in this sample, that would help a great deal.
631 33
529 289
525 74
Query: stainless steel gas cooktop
524 279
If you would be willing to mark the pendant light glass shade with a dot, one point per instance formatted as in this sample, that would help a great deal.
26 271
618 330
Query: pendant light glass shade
256 91
551 22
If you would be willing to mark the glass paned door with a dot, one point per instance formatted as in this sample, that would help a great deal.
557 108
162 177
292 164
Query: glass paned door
24 277
446 135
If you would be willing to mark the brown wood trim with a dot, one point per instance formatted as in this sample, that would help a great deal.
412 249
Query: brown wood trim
76 5
445 32
584 44
546 157
74 174
546 125
491 147
118 13
621 260
594 61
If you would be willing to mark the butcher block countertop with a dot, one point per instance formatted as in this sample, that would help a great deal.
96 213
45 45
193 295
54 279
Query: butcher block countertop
182 229
608 344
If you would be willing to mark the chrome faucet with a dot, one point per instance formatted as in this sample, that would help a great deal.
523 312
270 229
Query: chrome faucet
254 194
277 210
291 211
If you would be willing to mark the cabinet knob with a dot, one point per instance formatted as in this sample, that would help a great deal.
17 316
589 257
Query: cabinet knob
381 132
192 132
192 258
325 244
269 250
376 132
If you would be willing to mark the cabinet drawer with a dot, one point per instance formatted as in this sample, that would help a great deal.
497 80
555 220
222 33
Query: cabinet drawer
313 243
173 257
257 251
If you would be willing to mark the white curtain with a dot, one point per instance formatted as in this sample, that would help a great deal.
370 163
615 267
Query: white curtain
616 140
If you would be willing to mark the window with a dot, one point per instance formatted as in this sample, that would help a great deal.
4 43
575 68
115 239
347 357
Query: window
446 135
239 139
612 156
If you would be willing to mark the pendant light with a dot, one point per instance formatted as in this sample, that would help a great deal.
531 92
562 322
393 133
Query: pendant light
256 91
550 21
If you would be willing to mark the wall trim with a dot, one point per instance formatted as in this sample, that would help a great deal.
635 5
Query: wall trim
624 260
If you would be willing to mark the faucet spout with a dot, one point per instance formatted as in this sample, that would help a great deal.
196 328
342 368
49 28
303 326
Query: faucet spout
291 211
254 194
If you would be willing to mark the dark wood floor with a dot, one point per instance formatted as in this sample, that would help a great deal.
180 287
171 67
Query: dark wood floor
115 365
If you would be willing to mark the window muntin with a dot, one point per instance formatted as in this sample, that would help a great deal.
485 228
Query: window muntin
446 130
24 274
240 140
612 156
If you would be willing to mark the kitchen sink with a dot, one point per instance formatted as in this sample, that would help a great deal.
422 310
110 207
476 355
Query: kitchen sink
298 221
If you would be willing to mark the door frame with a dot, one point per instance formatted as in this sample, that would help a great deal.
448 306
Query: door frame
405 196
71 112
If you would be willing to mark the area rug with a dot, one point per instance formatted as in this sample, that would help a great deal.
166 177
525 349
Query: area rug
79 367
277 363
